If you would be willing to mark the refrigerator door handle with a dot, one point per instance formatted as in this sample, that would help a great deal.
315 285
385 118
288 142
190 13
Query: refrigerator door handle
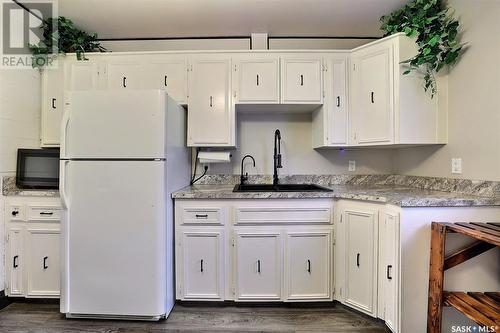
64 129
62 183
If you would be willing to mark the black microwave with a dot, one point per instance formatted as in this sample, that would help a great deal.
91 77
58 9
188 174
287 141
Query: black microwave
38 168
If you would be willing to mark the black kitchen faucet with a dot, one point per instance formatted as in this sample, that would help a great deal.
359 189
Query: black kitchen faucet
277 156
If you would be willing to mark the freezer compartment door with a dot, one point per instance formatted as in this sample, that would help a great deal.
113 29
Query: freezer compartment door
114 124
115 234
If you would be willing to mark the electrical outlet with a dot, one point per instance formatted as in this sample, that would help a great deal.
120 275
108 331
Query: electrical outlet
352 165
456 165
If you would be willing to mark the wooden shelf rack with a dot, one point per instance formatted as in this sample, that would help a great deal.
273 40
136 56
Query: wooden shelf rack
482 308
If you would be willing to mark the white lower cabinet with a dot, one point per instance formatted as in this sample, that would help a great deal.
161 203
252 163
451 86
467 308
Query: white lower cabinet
32 247
43 278
254 250
15 261
308 265
367 259
201 275
291 251
258 260
389 269
361 259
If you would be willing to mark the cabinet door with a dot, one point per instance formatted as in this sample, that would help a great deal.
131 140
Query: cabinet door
338 111
301 81
258 266
389 258
123 76
210 113
170 75
361 264
308 265
52 106
374 112
43 273
15 262
257 81
82 75
201 272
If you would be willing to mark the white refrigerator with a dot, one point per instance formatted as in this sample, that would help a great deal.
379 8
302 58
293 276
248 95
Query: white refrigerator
122 154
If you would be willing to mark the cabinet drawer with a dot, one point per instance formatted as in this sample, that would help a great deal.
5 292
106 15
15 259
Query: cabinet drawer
44 213
202 215
15 212
283 215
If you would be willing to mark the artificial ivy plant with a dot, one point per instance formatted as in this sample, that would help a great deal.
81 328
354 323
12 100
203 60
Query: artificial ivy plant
62 36
436 32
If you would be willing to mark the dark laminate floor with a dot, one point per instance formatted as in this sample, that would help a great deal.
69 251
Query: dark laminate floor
22 316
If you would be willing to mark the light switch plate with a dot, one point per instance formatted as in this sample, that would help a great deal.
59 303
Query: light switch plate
352 165
456 165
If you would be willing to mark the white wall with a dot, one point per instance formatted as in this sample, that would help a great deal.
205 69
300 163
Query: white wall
316 43
232 44
255 136
474 103
19 128
175 45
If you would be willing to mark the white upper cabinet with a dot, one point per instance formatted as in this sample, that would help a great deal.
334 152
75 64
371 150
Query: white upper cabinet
387 107
169 73
301 80
82 75
52 106
258 266
338 120
372 80
357 97
256 80
211 118
308 265
123 75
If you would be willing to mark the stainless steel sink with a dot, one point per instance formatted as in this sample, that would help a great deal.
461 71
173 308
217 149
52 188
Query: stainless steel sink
280 188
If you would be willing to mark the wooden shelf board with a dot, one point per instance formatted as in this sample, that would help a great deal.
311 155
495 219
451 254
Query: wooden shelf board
482 308
479 231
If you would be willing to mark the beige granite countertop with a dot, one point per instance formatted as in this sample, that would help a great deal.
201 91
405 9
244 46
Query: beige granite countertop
402 196
9 188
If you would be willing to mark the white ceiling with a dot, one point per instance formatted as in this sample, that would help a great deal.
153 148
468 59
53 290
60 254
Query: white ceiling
184 18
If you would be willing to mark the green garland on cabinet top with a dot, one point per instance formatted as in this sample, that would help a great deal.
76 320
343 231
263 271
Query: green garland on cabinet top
60 35
436 32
